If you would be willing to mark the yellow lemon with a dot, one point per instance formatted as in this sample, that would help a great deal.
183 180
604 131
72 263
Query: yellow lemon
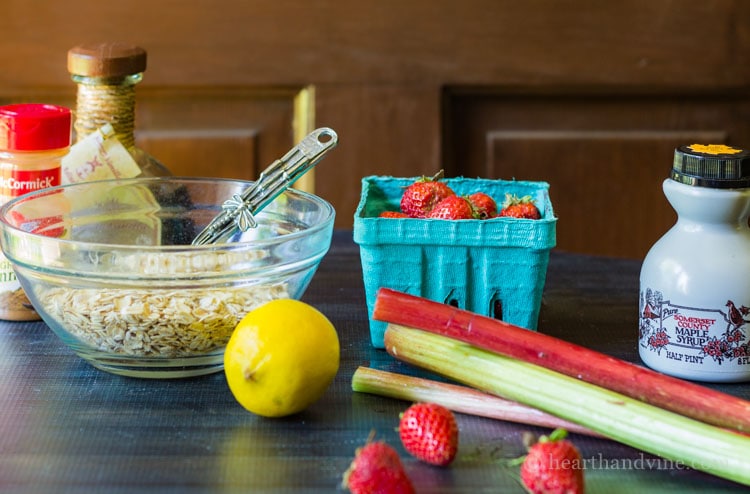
281 358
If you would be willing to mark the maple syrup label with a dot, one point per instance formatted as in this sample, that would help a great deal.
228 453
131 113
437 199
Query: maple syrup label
692 337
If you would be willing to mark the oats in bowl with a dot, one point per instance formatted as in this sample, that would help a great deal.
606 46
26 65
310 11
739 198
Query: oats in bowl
109 266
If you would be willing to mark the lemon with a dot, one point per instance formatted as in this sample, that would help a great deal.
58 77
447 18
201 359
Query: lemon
281 358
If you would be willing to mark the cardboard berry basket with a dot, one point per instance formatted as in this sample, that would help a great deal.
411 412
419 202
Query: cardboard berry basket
494 267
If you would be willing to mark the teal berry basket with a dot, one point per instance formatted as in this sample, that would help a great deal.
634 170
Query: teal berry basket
495 267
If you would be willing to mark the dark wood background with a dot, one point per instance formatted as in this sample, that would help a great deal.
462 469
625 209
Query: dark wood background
589 96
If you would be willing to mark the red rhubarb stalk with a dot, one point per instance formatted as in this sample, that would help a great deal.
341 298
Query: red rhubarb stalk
458 398
640 383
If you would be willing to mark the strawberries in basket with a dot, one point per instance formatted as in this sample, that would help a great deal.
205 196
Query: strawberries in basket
431 198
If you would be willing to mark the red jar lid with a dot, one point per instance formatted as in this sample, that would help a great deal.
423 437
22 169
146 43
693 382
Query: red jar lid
34 127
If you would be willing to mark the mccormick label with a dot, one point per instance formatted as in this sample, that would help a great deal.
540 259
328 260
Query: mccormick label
693 338
14 183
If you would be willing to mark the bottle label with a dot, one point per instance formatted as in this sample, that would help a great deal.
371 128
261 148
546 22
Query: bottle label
694 338
13 183
99 156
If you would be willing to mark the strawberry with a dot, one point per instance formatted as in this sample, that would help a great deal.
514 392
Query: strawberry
429 432
524 207
484 205
452 208
377 469
553 465
393 214
423 194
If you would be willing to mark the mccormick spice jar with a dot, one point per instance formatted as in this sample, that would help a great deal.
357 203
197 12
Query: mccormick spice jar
695 281
33 140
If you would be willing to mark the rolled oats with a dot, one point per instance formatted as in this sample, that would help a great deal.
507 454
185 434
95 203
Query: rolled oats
152 322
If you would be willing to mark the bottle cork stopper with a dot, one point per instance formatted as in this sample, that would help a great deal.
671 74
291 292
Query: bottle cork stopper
106 60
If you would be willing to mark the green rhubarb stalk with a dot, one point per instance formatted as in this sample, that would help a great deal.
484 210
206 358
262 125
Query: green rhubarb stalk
685 441
457 398
588 365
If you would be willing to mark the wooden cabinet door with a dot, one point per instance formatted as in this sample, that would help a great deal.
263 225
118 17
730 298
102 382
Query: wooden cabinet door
589 96
605 156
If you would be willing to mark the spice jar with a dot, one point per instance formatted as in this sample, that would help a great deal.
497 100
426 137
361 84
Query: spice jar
695 281
33 140
107 75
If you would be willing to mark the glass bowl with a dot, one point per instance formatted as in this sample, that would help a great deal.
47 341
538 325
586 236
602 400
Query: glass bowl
109 267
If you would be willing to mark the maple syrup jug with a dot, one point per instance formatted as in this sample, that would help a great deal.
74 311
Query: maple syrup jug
694 320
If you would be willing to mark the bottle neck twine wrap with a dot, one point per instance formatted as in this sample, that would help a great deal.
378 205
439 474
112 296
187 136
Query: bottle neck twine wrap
98 105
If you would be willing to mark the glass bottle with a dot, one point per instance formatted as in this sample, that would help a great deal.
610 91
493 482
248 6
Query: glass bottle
694 317
106 75
33 140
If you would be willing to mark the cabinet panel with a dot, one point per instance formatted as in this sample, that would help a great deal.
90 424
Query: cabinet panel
383 130
231 133
230 153
605 157
605 190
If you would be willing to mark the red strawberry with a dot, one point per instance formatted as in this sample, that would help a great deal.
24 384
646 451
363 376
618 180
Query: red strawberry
452 208
553 465
484 205
393 214
423 194
430 433
524 207
377 469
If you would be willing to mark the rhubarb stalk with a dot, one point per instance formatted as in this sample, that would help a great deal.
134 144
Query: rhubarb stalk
457 398
685 441
582 363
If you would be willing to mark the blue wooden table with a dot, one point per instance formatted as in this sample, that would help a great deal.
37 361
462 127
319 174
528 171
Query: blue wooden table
66 427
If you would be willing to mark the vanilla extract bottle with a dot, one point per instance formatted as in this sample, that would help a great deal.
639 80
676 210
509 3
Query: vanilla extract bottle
107 75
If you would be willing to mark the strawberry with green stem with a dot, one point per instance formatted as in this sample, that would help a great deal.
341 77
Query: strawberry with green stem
484 205
520 207
421 196
553 465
